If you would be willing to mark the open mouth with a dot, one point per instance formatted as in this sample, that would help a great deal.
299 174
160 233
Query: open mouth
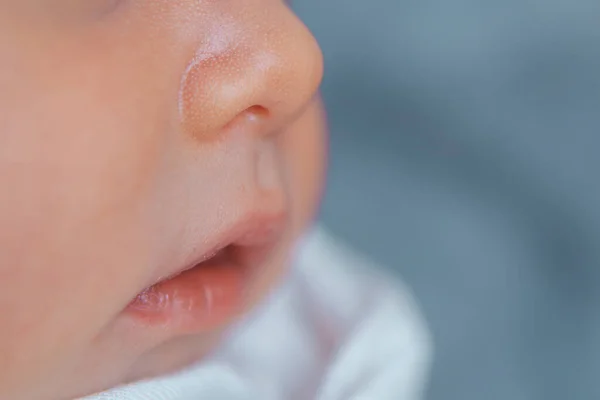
214 289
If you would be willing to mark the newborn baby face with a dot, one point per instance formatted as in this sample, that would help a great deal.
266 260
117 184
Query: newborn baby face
158 158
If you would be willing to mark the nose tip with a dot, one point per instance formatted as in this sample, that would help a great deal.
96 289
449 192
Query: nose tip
259 77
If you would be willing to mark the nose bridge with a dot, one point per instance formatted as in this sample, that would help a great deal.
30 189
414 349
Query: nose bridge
261 66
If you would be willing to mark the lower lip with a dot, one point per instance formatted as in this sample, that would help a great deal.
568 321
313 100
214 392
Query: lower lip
197 300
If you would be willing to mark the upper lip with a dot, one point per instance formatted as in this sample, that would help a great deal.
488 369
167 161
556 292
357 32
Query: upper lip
257 229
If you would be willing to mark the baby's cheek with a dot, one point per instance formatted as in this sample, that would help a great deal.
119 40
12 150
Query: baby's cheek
63 275
84 157
80 229
67 269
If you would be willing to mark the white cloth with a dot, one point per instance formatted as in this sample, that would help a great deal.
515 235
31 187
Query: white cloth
337 329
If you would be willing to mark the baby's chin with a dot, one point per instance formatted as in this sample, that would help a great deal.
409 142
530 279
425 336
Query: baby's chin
169 358
173 356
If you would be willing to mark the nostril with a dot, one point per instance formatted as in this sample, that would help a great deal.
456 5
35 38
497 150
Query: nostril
256 113
251 115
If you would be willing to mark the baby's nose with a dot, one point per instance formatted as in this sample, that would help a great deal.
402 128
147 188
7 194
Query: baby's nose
255 71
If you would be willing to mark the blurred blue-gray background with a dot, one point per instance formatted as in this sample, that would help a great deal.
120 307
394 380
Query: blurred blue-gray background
465 156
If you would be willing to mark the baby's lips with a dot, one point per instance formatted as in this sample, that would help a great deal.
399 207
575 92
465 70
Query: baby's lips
198 300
